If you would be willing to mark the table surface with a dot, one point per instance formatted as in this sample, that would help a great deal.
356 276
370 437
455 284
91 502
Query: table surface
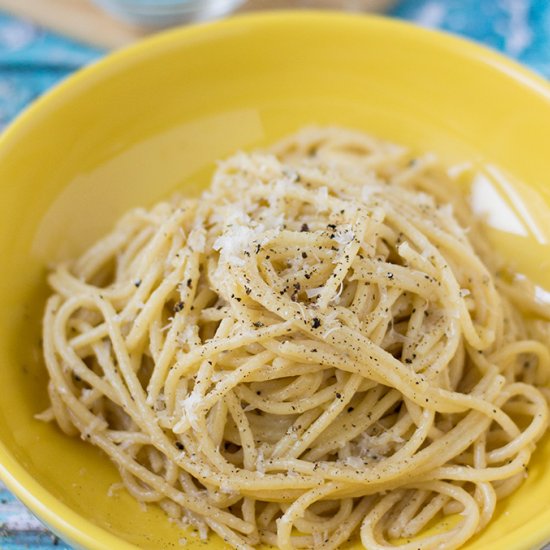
32 60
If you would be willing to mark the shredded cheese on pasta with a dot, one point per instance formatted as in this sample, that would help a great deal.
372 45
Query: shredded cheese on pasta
321 346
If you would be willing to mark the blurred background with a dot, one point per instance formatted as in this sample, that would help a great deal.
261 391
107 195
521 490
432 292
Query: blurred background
43 41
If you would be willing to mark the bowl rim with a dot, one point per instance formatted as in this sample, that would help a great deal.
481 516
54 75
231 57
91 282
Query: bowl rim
59 517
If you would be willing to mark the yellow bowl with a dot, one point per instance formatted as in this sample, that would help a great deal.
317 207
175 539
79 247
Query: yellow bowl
152 119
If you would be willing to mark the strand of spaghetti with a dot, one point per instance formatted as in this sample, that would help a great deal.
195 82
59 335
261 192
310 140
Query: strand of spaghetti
215 347
421 240
325 419
297 510
223 387
84 418
507 352
451 444
462 473
314 344
452 539
68 285
66 352
154 304
383 366
529 434
347 256
187 291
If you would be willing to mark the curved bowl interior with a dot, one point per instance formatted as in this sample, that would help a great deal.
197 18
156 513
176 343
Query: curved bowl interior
152 120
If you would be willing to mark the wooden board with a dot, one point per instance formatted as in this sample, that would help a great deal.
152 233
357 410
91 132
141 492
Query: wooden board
83 21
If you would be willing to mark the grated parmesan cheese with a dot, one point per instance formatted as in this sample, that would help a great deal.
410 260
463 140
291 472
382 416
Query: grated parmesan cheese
190 406
313 292
344 236
354 462
197 240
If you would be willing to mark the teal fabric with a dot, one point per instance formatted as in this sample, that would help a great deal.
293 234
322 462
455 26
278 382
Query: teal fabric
517 28
33 60
19 529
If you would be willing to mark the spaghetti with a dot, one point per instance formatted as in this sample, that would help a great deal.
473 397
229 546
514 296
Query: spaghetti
315 348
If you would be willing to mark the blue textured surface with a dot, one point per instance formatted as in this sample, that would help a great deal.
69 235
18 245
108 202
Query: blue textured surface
20 529
518 28
32 60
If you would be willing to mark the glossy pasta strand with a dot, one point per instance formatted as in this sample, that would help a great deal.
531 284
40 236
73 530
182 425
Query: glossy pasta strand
314 350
